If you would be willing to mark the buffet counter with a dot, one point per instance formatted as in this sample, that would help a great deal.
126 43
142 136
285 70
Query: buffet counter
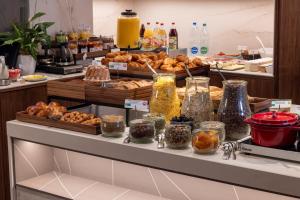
258 173
244 72
24 84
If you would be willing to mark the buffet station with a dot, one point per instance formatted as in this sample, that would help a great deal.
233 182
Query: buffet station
191 129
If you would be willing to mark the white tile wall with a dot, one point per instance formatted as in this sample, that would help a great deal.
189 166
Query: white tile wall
230 22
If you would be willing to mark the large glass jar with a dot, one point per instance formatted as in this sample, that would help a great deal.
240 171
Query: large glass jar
112 125
128 30
234 109
164 98
197 103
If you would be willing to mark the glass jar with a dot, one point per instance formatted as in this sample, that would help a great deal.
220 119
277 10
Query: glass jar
164 98
234 109
178 136
215 125
141 131
94 44
159 122
197 103
112 125
128 30
205 141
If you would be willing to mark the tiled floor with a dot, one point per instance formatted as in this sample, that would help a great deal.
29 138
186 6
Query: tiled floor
77 188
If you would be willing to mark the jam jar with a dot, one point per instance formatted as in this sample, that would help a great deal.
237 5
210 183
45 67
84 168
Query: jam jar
164 98
141 131
178 136
215 125
205 141
112 125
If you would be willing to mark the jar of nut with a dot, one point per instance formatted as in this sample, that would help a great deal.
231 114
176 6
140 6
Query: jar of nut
141 131
178 136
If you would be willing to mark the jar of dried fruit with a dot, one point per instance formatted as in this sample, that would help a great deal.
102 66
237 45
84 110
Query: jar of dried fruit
234 109
164 98
197 103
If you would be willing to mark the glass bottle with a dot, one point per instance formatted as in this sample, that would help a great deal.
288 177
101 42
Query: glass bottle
162 35
173 37
197 103
234 109
164 98
148 37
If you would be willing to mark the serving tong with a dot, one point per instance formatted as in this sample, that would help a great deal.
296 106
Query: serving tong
229 149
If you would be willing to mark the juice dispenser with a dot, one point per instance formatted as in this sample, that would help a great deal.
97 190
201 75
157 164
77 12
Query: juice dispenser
128 30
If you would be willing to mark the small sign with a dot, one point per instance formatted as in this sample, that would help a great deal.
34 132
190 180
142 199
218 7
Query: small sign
140 105
118 66
281 105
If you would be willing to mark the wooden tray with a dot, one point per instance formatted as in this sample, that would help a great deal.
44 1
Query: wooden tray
93 130
256 106
68 88
203 70
96 94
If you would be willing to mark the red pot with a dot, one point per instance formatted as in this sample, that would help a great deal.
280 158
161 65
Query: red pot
274 129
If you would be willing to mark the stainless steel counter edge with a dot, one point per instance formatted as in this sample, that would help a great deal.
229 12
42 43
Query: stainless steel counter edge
248 171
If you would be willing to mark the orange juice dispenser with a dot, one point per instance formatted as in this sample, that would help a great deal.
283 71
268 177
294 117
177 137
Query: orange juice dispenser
128 30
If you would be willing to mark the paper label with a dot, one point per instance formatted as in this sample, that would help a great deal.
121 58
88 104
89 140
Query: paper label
282 104
140 105
118 66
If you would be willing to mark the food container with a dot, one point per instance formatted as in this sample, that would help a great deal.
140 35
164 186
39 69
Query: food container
141 131
14 74
95 44
234 109
183 120
112 125
164 98
159 122
178 136
128 30
107 42
205 141
274 129
215 125
197 103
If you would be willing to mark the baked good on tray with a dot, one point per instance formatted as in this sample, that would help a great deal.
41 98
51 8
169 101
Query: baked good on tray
128 84
158 61
41 109
96 73
55 111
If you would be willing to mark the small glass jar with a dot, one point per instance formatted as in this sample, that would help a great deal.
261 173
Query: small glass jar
197 103
215 125
205 141
178 136
141 131
159 122
164 98
112 125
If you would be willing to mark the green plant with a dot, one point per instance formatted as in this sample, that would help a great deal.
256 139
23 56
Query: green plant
28 35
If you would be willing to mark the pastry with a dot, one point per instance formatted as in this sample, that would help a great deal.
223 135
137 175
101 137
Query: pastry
92 122
97 74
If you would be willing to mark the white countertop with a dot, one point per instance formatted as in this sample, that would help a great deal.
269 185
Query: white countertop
250 171
20 84
243 72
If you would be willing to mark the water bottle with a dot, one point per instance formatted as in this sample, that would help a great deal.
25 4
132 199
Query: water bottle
204 41
194 44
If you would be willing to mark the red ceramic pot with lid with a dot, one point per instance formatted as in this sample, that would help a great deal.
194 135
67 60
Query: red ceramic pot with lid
274 129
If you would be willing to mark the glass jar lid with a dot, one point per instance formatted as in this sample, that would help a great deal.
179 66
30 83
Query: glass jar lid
129 13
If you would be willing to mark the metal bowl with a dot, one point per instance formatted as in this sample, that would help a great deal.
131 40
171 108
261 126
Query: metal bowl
4 82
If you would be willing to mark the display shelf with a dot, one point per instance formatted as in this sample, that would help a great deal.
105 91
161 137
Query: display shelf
249 171
72 187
